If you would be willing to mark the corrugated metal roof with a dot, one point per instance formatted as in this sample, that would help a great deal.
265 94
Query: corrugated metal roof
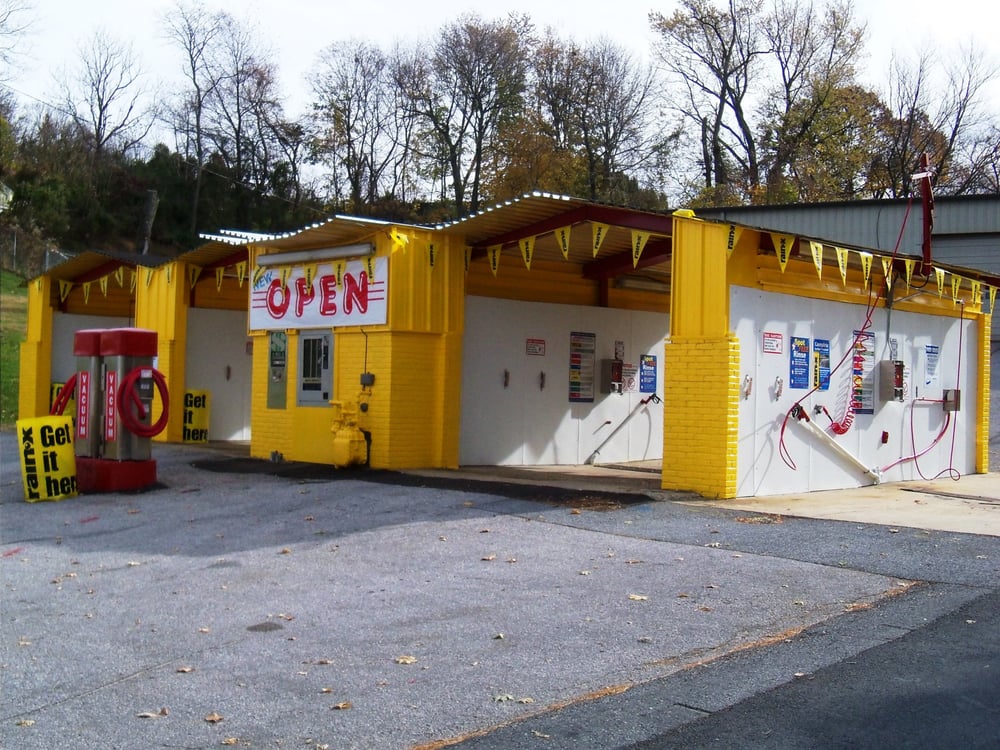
92 264
337 230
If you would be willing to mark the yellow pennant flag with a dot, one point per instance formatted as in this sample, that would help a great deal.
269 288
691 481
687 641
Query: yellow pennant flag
817 252
956 286
866 265
399 239
103 281
64 289
732 238
120 275
494 254
527 250
285 272
783 247
993 299
939 274
370 267
910 263
600 231
86 292
132 279
241 272
638 243
194 272
170 272
309 271
431 253
38 284
977 293
842 263
467 252
258 271
220 272
562 237
887 269
338 271
149 277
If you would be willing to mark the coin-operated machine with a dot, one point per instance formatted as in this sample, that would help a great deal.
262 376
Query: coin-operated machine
115 385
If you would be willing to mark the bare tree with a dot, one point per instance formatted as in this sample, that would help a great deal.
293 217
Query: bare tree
360 132
15 22
195 31
714 54
462 91
105 95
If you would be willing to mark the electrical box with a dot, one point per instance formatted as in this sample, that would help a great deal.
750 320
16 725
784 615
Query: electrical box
952 399
612 376
890 380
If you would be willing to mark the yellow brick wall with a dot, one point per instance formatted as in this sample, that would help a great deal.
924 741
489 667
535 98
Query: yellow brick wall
700 416
982 404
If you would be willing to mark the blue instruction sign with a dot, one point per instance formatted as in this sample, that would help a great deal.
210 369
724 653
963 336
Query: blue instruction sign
798 375
647 373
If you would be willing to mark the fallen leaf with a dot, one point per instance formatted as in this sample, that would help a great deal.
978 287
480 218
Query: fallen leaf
153 714
185 670
498 637
539 734
503 698
213 718
406 659
512 559
25 722
713 544
326 690
489 558
231 741
970 622
526 700
683 595
633 561
442 539
324 661
575 512
204 630
704 609
308 518
585 572
285 551
484 531
638 597
645 639
342 706
893 531
134 564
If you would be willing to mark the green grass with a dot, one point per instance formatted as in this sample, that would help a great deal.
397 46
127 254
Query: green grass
13 322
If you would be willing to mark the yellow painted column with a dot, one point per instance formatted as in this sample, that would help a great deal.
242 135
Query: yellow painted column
35 366
983 401
700 366
161 305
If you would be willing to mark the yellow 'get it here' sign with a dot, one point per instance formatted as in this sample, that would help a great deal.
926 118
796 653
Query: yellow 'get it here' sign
48 461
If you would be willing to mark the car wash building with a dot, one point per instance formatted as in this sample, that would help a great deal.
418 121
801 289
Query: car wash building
552 330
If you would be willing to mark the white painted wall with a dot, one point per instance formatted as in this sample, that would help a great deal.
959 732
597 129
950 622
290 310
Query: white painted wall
911 426
64 327
524 424
219 361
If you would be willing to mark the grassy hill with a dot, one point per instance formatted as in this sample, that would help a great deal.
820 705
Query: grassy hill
13 320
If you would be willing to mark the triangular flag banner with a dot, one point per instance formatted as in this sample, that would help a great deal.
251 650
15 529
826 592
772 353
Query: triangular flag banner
285 272
600 231
887 268
120 275
338 271
431 253
993 299
638 243
956 286
527 250
494 254
103 281
399 239
732 239
842 263
910 263
939 273
193 273
241 272
866 265
258 271
220 272
309 271
149 276
38 284
64 289
817 252
783 247
132 281
170 272
977 293
467 252
370 263
562 237
86 292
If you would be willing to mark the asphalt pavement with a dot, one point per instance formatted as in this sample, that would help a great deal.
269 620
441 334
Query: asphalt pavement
249 604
